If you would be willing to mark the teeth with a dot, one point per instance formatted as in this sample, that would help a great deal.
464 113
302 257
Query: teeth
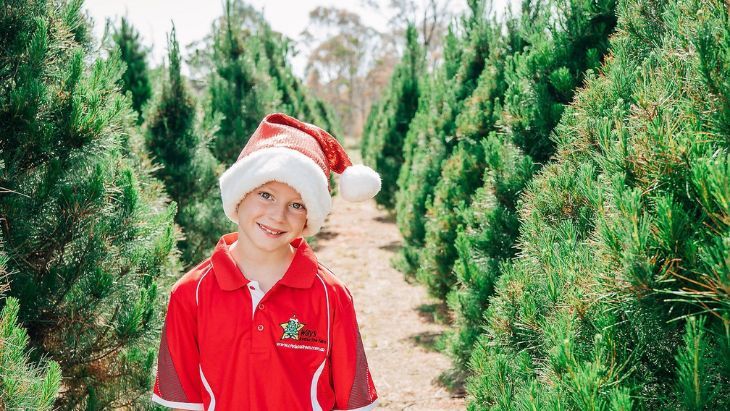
269 231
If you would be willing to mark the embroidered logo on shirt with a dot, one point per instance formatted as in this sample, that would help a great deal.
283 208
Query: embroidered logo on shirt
291 328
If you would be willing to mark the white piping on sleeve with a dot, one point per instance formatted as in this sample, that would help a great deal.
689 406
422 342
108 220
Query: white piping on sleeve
315 377
313 387
327 298
175 404
197 288
207 388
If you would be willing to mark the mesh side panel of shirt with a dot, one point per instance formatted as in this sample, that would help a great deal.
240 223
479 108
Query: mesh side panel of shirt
360 394
167 379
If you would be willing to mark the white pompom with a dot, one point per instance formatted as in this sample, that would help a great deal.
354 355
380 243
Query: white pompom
359 183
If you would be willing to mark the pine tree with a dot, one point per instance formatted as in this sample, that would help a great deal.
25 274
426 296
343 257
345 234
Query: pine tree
615 299
461 172
22 385
373 121
485 240
533 104
692 366
295 100
388 122
135 79
430 136
88 233
177 138
241 92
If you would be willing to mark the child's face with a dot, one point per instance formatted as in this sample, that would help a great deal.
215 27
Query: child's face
276 207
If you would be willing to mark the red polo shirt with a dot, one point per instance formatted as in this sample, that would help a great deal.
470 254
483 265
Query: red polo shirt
300 350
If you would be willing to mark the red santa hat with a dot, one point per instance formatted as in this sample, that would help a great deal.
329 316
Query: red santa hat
301 155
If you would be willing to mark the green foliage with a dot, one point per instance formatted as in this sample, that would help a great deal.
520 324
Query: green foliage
22 385
539 81
241 91
617 297
485 241
430 136
387 124
295 99
423 152
692 365
177 138
135 79
461 171
88 232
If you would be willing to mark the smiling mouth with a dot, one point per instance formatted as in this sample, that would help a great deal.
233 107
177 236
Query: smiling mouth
269 230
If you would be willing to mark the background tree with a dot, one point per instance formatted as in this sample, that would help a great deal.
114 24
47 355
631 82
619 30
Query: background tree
339 64
430 137
296 100
23 385
462 169
616 299
134 55
177 138
240 90
430 18
351 62
382 142
540 79
88 232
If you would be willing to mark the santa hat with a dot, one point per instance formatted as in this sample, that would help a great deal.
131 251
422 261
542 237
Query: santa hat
301 155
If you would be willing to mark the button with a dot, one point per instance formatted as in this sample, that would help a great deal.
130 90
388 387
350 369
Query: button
260 327
251 287
261 306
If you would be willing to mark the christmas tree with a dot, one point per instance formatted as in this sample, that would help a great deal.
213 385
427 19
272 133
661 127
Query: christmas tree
23 385
540 80
177 138
430 137
241 91
135 79
88 231
387 125
617 298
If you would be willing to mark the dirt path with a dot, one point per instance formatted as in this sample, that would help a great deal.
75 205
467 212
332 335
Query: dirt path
357 243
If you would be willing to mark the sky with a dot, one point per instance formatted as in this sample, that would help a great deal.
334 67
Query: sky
193 19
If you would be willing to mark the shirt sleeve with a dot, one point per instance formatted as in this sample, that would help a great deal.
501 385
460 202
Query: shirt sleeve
178 383
352 383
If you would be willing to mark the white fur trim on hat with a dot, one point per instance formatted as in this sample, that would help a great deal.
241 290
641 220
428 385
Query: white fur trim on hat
359 183
284 165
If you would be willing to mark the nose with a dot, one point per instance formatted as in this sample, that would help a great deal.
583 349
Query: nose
277 213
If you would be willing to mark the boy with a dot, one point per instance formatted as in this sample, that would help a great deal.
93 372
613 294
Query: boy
261 325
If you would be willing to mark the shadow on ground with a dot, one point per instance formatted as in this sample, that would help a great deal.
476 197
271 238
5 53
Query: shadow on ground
392 246
325 234
430 341
387 218
434 313
453 380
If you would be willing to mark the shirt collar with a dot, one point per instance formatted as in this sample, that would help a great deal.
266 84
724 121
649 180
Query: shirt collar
300 274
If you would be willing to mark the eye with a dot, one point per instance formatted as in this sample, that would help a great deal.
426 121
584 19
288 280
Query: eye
298 206
265 195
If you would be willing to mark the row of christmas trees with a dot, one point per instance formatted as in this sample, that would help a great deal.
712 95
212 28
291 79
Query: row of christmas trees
562 182
108 190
